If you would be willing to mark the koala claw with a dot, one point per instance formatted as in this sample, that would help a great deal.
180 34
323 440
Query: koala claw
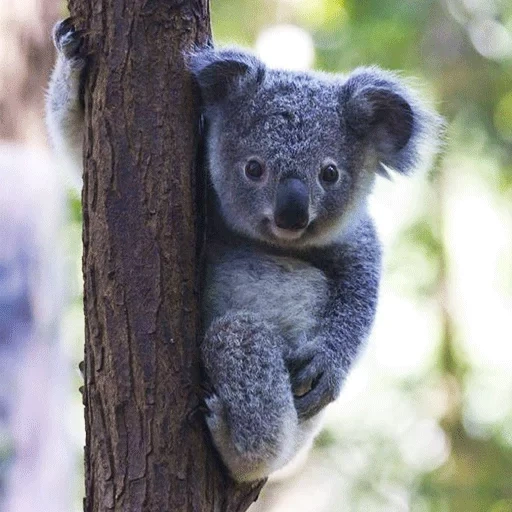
215 417
68 40
206 389
197 413
213 408
314 378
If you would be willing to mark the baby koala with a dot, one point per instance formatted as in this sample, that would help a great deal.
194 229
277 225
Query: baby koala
293 260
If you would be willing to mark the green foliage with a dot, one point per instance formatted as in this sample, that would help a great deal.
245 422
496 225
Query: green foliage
74 207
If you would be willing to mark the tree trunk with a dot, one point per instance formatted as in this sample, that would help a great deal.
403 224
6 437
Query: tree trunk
145 450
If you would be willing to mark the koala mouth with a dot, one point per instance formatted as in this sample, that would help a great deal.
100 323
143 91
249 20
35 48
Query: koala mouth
273 231
286 234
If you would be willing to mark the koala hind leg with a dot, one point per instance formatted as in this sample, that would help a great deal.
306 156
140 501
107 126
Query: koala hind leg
252 418
64 104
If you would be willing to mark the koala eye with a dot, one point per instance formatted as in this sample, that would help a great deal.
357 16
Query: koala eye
254 169
329 174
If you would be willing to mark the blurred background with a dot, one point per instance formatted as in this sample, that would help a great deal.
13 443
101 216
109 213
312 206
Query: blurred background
424 422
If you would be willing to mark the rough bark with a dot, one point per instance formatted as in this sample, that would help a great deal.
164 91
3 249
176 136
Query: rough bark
146 450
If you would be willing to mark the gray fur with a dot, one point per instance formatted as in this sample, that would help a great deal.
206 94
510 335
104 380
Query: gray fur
252 416
286 311
245 279
312 298
64 107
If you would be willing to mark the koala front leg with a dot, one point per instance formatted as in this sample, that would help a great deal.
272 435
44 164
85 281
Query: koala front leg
318 367
252 417
64 101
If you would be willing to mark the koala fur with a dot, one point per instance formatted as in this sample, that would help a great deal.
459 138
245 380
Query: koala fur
293 259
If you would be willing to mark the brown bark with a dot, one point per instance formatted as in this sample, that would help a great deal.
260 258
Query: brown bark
145 451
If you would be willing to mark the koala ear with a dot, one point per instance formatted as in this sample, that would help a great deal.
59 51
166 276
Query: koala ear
381 110
219 72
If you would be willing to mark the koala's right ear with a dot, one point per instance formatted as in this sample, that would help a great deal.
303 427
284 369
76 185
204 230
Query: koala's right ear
219 72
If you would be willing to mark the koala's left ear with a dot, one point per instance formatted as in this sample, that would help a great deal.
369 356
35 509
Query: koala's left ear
379 109
224 71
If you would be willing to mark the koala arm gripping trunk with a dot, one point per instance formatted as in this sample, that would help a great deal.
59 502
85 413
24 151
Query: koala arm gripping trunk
64 102
353 270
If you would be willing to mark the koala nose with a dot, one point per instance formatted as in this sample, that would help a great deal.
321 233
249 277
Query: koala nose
292 204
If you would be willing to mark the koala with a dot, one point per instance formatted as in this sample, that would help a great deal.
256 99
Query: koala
293 258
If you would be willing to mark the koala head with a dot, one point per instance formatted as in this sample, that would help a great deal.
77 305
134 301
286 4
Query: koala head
292 156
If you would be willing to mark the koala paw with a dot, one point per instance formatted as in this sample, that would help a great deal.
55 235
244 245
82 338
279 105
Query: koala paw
215 415
315 376
69 41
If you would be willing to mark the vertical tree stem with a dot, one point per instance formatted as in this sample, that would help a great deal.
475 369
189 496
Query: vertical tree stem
145 451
